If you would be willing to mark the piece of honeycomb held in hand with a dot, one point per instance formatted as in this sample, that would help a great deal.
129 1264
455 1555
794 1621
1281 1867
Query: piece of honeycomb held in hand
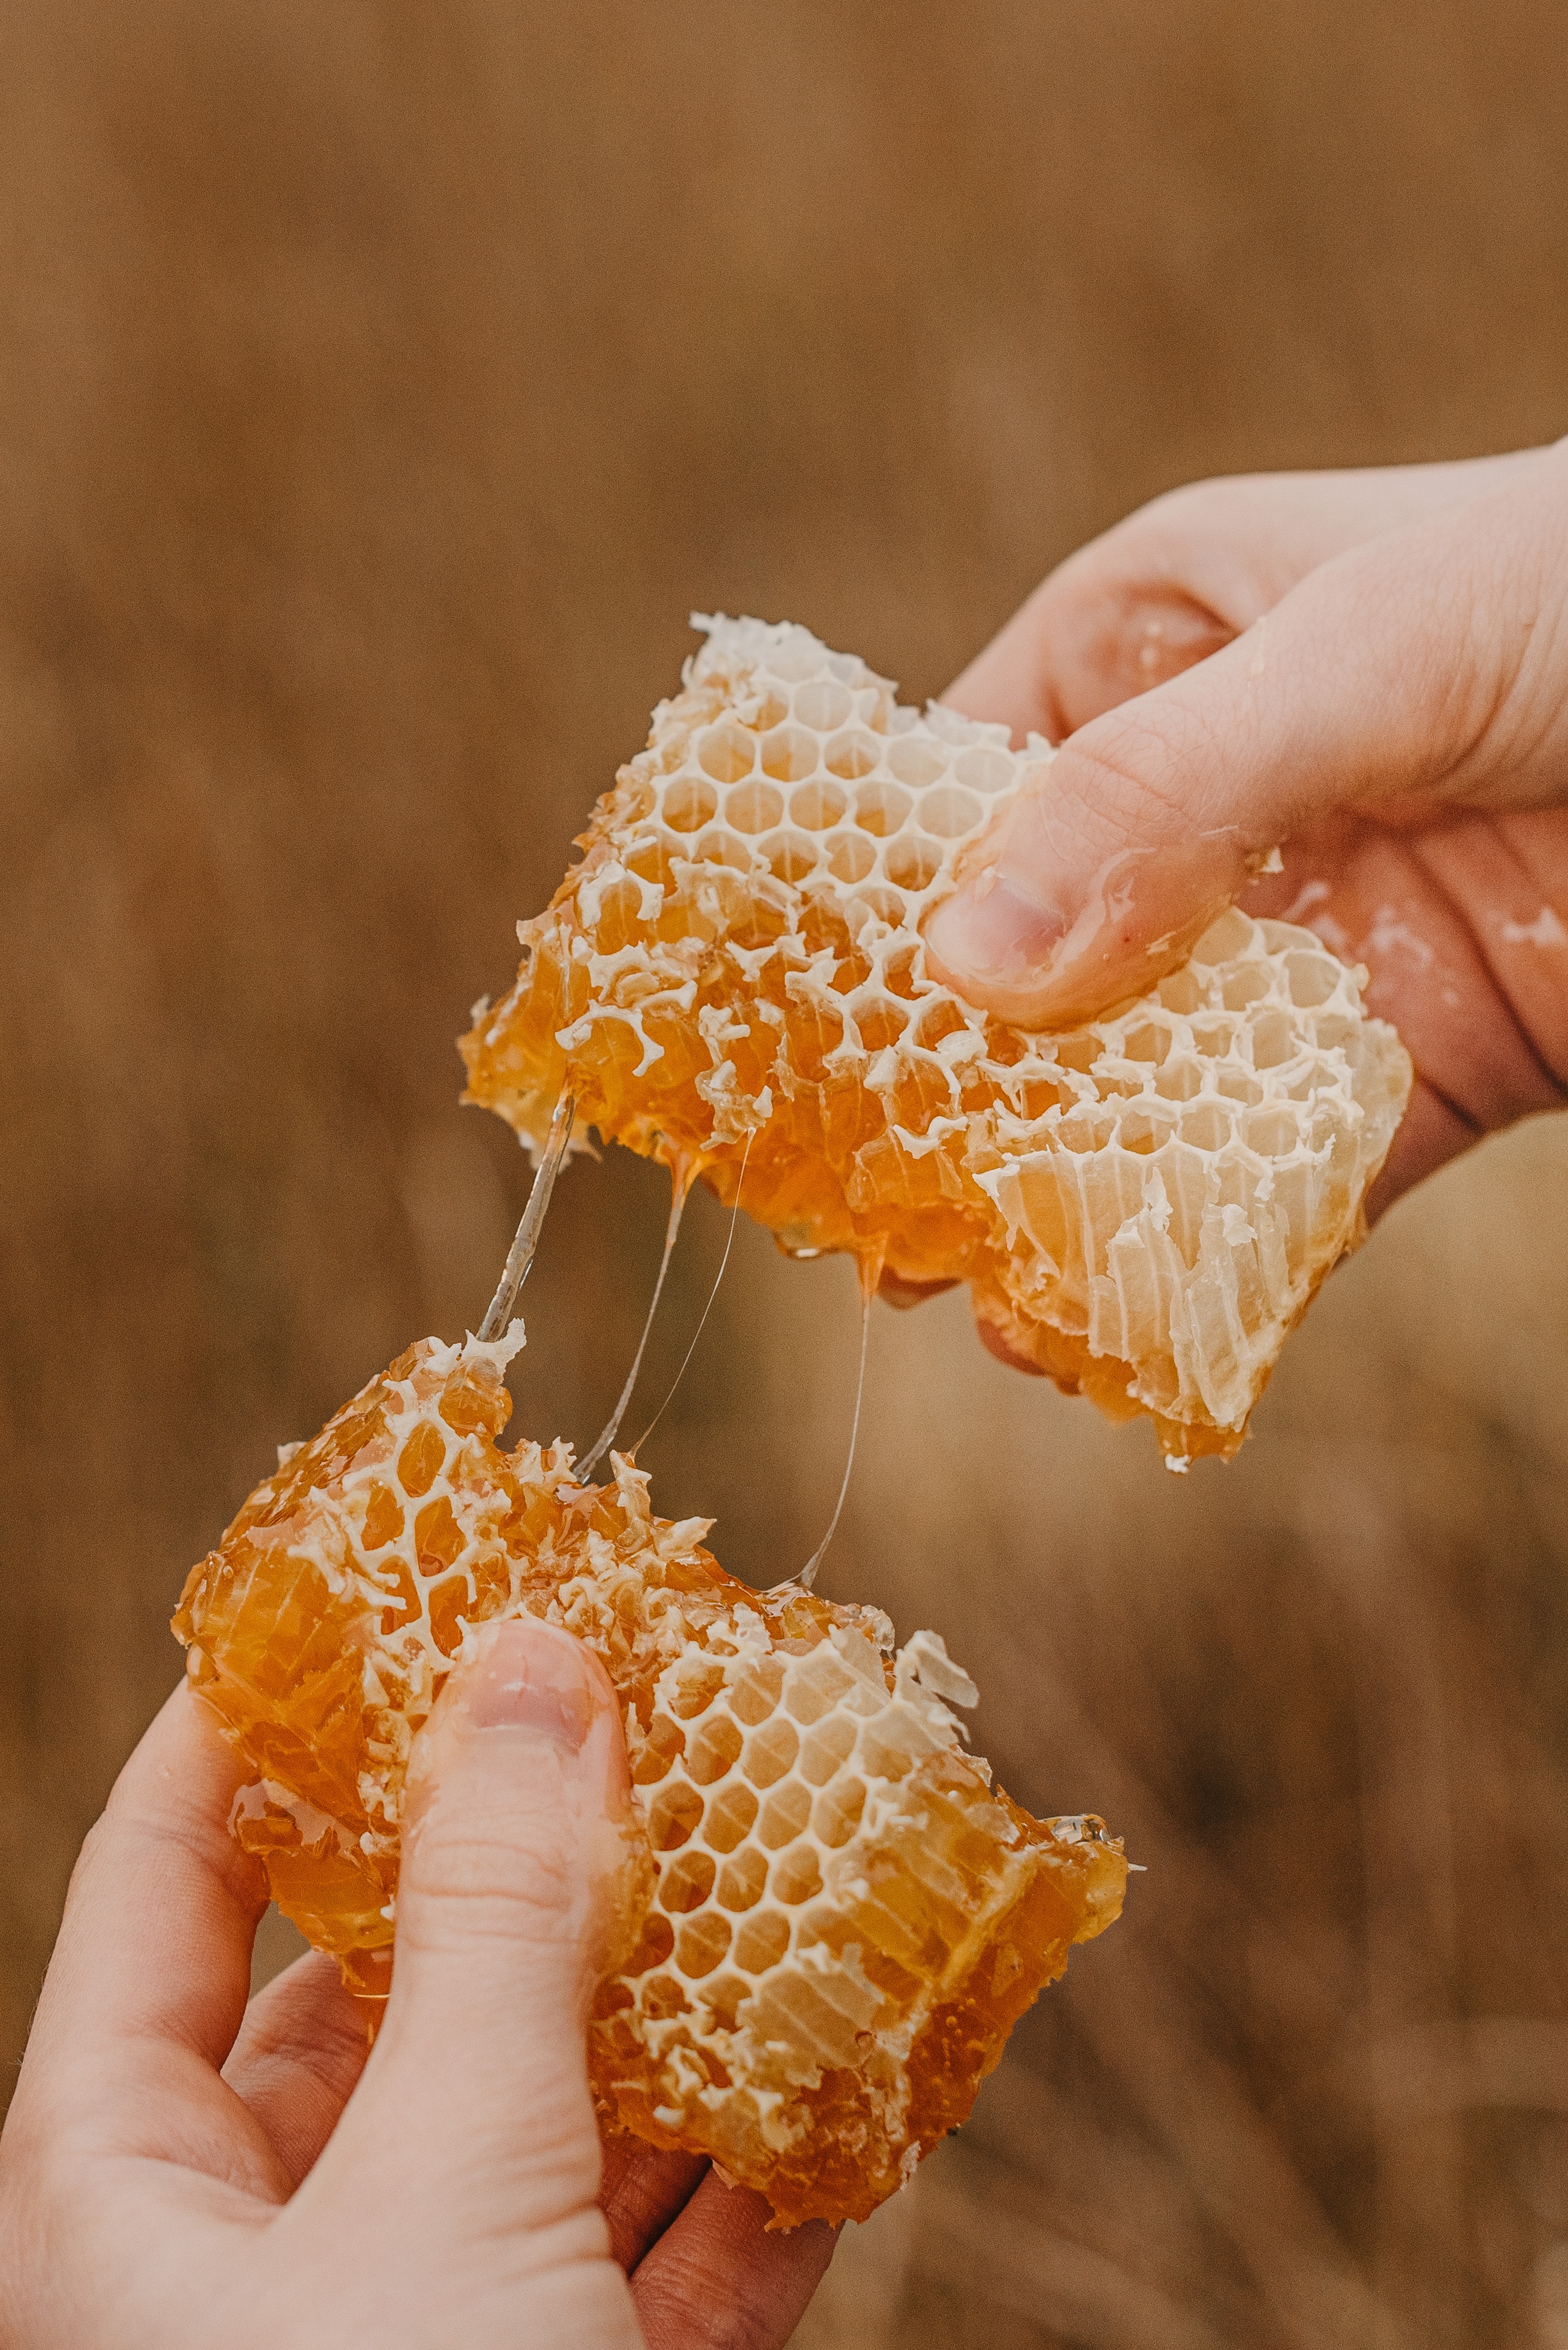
831 1918
1142 1206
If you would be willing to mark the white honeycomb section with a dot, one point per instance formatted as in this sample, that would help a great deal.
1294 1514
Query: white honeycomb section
787 1823
1205 1168
1167 1186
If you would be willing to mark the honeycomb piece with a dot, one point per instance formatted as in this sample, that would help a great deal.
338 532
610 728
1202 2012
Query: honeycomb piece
831 1920
1142 1206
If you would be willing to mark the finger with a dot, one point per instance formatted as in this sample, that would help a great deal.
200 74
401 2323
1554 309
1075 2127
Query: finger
516 1844
1427 667
719 2281
641 2192
1430 1133
150 1971
1183 575
1463 929
300 2050
1429 916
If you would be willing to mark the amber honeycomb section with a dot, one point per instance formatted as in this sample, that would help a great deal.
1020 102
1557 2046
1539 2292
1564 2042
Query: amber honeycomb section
1142 1207
831 1920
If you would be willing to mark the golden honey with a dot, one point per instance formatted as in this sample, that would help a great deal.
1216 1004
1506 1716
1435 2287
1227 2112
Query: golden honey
835 1919
1142 1207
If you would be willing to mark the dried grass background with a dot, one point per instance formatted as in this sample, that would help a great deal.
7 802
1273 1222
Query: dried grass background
380 387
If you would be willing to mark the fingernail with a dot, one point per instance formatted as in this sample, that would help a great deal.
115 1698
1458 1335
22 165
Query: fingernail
532 1675
991 933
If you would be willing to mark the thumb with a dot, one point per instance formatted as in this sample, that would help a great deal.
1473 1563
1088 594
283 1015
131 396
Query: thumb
1427 667
518 1852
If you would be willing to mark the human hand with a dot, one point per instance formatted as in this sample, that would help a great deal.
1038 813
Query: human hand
1369 670
179 2168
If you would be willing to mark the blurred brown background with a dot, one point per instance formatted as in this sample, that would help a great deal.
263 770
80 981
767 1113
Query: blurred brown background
380 386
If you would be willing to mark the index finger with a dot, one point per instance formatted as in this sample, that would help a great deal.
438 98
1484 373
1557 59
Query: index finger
1180 578
155 1944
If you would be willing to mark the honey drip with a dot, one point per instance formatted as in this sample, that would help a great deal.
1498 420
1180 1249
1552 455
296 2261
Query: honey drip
706 1309
832 1920
606 1436
808 1572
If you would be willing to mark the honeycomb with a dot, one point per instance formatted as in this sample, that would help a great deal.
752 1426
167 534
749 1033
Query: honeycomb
830 1920
1142 1206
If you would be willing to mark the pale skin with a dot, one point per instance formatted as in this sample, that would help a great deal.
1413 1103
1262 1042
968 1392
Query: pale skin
179 2169
1369 671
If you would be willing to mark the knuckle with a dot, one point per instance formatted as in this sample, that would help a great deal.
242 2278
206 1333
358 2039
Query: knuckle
518 1870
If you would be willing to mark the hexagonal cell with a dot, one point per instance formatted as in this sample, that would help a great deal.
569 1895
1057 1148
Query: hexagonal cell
655 1944
790 855
942 1018
1141 1131
690 801
1247 985
753 806
674 1815
882 807
698 1680
1272 1133
917 764
881 1758
761 1941
784 1815
850 857
817 1682
818 805
771 1751
742 1881
1084 1132
1180 991
849 757
730 1816
911 861
797 1875
721 1996
1148 1041
836 1814
654 860
726 752
984 770
725 848
823 704
438 1538
754 1696
1206 1127
421 1460
664 1740
712 1750
700 1943
825 1748
1273 1040
1229 935
949 812
882 905
790 755
1179 1080
1214 1038
687 1881
1312 980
